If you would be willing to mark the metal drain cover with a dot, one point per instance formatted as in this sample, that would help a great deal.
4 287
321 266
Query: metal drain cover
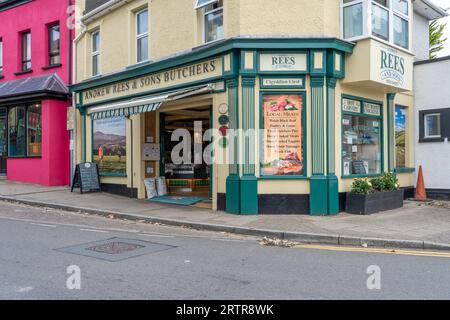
116 249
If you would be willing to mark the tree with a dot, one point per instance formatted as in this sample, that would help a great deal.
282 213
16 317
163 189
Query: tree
437 39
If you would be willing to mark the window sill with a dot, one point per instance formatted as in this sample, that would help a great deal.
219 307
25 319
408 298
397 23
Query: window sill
19 73
405 170
52 66
364 37
354 176
426 140
113 175
283 178
138 64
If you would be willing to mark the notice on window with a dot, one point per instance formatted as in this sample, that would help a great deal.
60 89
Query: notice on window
282 137
351 105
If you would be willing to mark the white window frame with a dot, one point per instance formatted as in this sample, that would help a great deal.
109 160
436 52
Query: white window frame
199 6
141 35
367 22
425 126
205 13
95 53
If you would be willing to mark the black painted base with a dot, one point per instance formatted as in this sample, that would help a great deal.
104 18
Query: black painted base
221 201
283 204
438 194
120 189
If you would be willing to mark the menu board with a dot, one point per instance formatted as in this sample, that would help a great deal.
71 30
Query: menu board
86 177
282 135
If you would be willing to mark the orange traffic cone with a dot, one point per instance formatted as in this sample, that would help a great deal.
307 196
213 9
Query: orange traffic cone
421 194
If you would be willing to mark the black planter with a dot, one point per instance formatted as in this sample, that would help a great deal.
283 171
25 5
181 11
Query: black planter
374 202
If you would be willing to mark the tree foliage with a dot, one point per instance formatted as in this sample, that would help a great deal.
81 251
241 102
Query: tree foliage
437 38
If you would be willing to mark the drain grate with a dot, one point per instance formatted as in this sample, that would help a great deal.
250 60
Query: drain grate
116 249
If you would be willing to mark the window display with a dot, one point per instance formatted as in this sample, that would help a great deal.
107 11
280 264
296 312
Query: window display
361 139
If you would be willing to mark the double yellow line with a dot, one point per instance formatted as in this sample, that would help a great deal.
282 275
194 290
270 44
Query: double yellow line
377 250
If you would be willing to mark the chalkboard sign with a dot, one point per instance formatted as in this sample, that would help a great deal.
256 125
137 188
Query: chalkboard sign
86 177
358 167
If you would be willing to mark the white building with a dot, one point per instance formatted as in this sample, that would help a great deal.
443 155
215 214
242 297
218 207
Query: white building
432 112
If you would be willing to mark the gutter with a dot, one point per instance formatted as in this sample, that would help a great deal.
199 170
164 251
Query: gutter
102 10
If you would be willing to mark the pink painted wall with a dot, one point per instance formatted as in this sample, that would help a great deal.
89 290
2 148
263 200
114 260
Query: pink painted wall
52 168
34 16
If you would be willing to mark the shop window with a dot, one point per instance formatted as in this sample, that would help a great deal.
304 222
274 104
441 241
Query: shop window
109 145
388 20
95 53
432 125
142 36
1 58
25 131
400 136
26 51
213 21
17 132
53 45
283 120
361 137
34 125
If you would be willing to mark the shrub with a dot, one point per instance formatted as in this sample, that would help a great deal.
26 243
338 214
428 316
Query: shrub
362 186
390 182
378 184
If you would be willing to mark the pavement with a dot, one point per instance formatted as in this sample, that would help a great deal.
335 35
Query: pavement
416 225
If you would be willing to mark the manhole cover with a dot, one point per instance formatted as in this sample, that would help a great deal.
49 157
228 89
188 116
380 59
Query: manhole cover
116 249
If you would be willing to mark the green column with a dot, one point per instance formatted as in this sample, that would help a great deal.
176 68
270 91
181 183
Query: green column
232 197
391 130
318 181
249 183
333 187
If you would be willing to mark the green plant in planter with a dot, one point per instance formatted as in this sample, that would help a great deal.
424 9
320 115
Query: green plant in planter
378 184
390 182
362 186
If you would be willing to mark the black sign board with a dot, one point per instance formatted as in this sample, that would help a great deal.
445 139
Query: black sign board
86 177
358 167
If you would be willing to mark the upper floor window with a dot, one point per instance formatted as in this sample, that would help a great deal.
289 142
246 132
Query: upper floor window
388 20
26 51
95 53
212 19
1 58
142 35
53 44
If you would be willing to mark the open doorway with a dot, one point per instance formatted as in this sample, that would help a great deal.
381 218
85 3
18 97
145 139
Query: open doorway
191 178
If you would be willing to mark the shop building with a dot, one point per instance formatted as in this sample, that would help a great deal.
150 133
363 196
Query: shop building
322 88
34 97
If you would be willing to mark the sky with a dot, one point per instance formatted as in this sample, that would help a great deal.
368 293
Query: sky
445 4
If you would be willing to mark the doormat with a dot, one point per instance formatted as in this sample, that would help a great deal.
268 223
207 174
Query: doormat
180 200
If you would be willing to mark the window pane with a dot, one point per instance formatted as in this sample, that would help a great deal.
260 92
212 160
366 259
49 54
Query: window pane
202 3
382 2
54 42
214 26
432 126
17 134
353 21
400 136
95 42
380 22
142 48
400 6
401 34
142 22
361 145
95 65
1 58
34 130
26 51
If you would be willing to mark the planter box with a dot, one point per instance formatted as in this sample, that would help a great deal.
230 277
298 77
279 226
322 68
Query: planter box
374 202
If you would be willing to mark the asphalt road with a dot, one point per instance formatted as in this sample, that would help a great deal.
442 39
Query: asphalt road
193 264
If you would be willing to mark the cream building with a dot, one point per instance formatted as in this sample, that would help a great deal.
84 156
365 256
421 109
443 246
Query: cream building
312 85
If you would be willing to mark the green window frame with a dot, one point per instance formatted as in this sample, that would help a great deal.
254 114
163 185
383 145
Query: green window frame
362 114
304 176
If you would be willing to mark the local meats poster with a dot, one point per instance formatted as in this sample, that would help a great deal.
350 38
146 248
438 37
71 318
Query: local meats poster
282 137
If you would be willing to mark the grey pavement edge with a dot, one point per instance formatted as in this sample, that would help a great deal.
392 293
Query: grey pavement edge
301 237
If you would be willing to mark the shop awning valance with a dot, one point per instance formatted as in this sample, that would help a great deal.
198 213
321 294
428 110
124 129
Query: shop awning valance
146 103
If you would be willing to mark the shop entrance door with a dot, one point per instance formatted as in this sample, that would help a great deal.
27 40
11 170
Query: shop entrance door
3 139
